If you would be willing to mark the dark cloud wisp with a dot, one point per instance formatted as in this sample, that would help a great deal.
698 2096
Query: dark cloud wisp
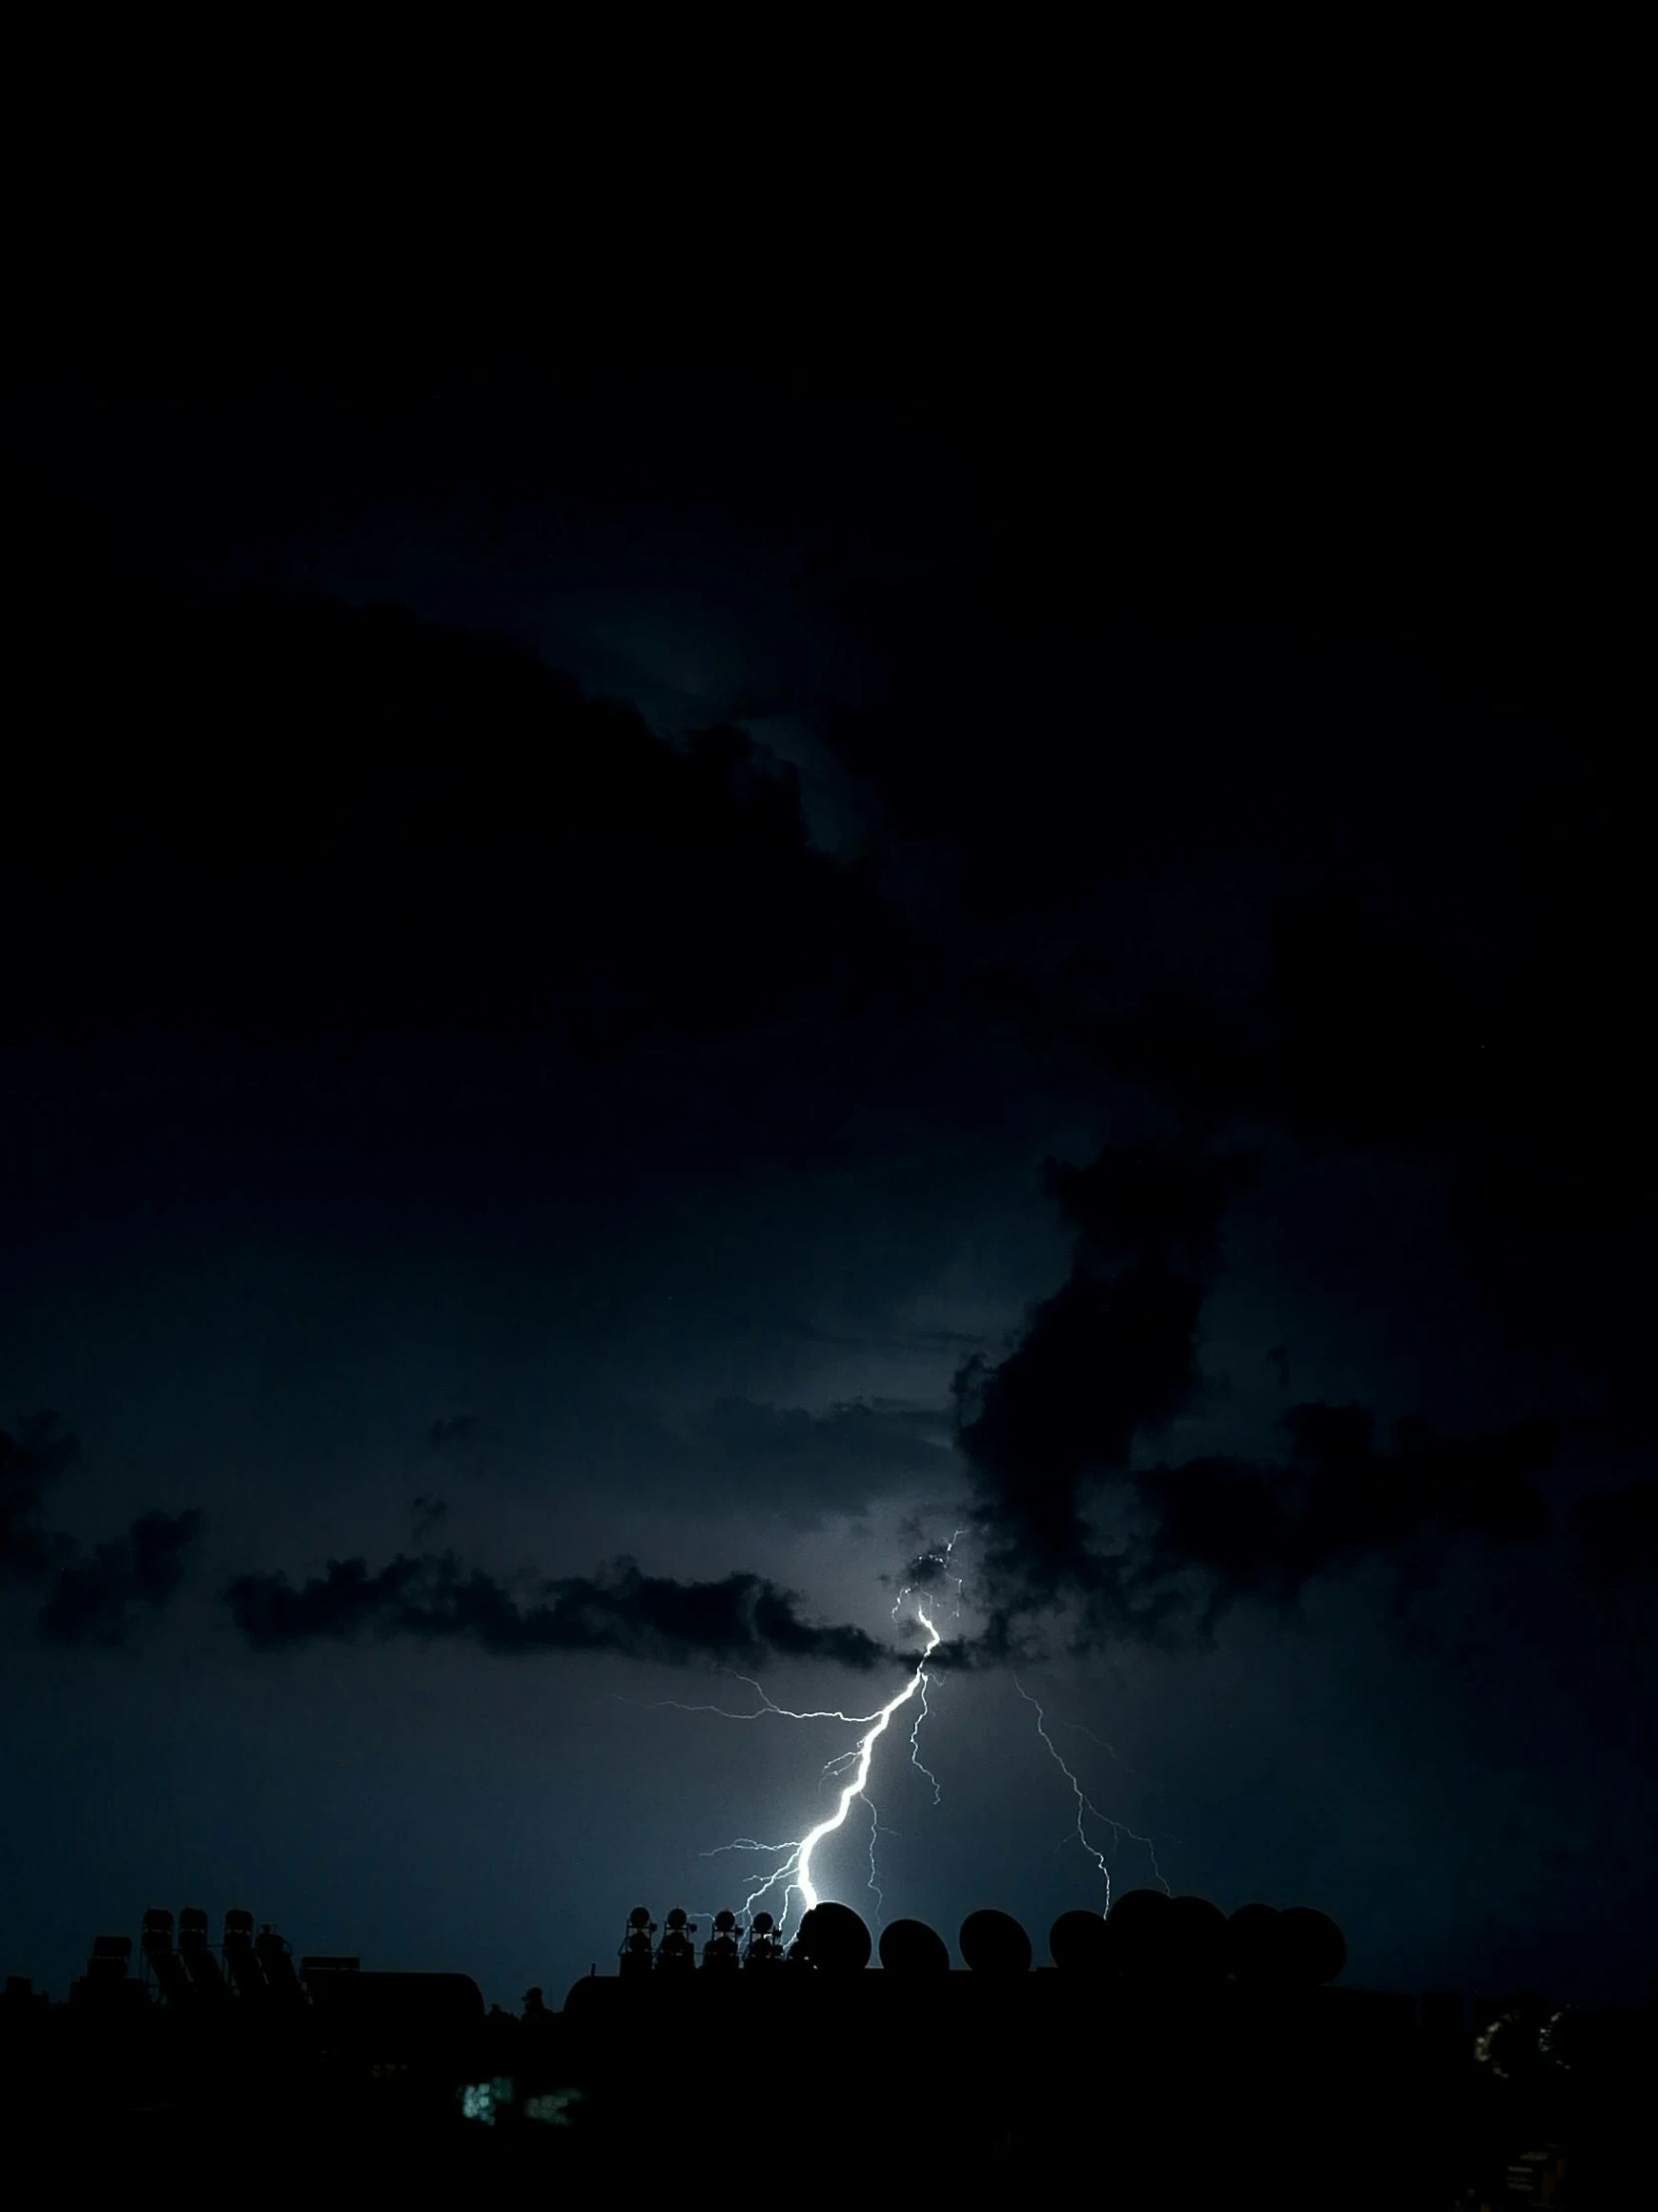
1220 1530
30 1462
96 1595
95 1600
741 1619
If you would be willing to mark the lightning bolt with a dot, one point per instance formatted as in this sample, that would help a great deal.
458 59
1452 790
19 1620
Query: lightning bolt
795 1872
1086 1806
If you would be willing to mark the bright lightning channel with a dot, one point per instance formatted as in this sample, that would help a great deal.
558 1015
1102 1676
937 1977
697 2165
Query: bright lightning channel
1085 1805
795 1872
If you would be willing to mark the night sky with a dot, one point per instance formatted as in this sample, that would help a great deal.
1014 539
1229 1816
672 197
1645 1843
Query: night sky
659 952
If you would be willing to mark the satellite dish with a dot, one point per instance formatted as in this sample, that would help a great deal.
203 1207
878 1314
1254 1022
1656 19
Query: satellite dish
1198 1948
1077 1943
911 1946
1138 1931
1310 1947
833 1938
994 1943
1511 2044
1252 1942
1579 2041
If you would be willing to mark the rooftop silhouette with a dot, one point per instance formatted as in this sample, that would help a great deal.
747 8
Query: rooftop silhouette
1164 2045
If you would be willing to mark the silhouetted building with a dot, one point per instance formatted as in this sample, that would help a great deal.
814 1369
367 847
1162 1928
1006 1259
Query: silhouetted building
1168 2054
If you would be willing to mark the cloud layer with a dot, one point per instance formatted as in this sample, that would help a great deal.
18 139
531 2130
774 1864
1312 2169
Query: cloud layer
93 1595
1105 1363
741 1619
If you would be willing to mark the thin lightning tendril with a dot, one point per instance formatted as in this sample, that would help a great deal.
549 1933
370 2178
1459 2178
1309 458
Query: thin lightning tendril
765 1706
916 1759
1078 1728
1085 1805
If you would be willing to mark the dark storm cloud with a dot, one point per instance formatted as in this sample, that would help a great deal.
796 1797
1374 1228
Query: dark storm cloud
1316 887
30 1462
96 1601
95 1595
741 1618
1219 1530
458 841
1111 1358
524 883
484 959
1498 1045
1110 1355
1363 1031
